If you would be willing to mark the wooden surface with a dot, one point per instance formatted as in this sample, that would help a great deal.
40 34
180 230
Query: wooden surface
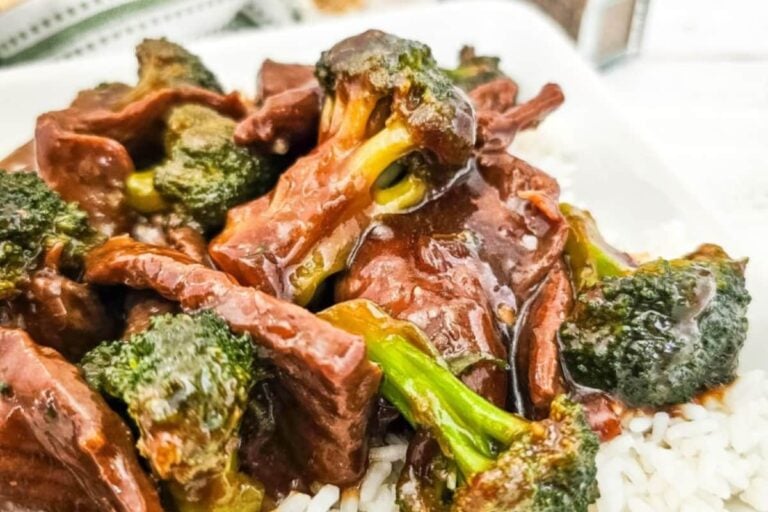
699 93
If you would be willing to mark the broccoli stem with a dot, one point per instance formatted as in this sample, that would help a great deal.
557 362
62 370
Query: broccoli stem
418 393
314 269
346 119
326 118
591 258
349 120
505 462
230 491
427 394
141 193
468 424
366 163
379 151
406 193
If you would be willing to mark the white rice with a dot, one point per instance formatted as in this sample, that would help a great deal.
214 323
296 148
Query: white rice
696 458
701 458
375 493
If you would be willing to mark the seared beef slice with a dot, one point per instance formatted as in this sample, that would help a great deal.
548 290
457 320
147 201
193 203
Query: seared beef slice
325 378
61 447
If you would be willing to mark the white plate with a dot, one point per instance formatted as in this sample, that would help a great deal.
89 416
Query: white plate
636 199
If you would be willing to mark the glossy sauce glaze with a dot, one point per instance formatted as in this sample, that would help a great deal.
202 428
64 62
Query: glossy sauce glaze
64 314
288 110
462 266
326 382
476 263
61 446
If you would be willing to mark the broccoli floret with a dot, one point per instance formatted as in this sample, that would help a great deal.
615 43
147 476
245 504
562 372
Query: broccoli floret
34 220
166 64
185 381
652 334
389 93
163 64
505 461
474 70
204 173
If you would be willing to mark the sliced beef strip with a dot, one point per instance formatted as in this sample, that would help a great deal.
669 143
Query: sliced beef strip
288 113
528 199
537 360
83 152
190 242
462 266
263 445
498 95
32 479
64 314
323 372
277 77
140 307
61 447
106 96
21 159
496 128
286 122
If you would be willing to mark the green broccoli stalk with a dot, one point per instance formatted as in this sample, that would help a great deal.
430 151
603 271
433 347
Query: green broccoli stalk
34 221
652 334
474 70
204 172
505 461
185 381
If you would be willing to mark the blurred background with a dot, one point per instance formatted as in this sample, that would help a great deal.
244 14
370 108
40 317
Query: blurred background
692 75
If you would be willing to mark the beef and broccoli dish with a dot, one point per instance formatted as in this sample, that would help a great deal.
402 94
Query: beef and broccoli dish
216 302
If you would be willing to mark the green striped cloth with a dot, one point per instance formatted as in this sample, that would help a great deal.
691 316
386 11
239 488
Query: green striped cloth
57 29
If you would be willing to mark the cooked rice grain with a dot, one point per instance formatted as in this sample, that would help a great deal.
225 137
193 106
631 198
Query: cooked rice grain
703 457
